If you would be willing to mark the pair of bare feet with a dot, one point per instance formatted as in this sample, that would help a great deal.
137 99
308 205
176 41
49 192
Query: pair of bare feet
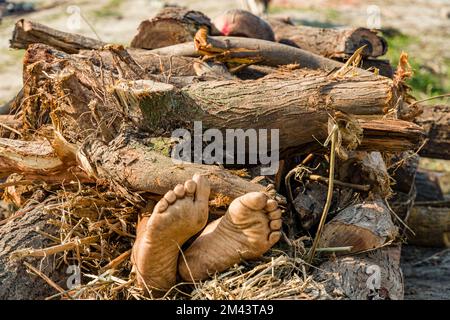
250 227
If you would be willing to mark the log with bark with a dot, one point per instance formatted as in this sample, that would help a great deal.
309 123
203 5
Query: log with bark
329 42
431 225
436 121
17 282
372 270
28 32
170 26
272 54
363 227
428 186
375 275
307 97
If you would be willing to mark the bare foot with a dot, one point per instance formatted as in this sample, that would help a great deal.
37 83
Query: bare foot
179 215
250 227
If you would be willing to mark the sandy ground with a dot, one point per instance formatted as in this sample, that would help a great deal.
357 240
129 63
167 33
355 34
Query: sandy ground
427 271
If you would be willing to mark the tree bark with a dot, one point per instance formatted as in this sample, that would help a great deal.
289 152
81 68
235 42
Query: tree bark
375 275
136 166
384 67
436 121
172 25
428 187
266 52
304 101
16 282
329 42
431 226
28 32
215 103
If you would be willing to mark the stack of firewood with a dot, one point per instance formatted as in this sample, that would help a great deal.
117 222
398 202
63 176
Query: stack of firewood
93 114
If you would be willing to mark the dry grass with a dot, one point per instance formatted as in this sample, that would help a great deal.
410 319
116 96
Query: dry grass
95 230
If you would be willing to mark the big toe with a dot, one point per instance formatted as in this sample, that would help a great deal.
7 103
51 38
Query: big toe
254 200
203 188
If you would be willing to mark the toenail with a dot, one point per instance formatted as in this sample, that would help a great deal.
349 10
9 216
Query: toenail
179 191
162 205
271 205
275 224
170 196
274 237
274 215
190 187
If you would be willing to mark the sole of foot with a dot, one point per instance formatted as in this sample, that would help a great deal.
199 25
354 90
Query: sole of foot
250 228
178 216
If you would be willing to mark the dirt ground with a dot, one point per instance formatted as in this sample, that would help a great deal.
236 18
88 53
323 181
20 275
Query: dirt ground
425 24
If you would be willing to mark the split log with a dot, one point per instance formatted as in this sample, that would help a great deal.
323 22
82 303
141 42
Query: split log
373 270
36 160
329 42
172 25
28 32
375 275
36 157
436 121
431 226
365 226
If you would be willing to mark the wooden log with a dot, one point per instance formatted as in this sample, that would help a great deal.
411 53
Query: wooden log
384 67
16 282
373 270
215 104
431 226
171 25
136 166
436 121
375 275
266 52
364 226
37 160
306 97
428 187
28 32
329 42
